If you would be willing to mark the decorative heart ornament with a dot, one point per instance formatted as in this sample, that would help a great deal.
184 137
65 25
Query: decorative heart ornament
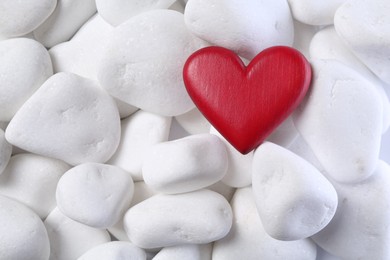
246 103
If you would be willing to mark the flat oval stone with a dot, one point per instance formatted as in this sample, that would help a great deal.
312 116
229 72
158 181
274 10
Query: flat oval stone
68 118
167 220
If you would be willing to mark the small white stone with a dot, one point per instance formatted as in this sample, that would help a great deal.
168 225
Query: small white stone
23 235
95 194
185 164
341 120
140 132
24 66
248 240
246 29
32 180
360 229
116 250
143 62
293 198
364 26
70 239
68 118
118 11
167 220
5 152
239 173
187 252
315 12
194 122
23 16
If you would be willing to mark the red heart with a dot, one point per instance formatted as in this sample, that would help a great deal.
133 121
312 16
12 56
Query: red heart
245 104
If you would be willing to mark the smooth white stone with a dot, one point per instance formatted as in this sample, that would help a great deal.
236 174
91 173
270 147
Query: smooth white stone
187 252
118 11
141 193
95 194
24 66
66 19
364 26
185 164
248 240
68 118
5 152
140 132
360 229
285 134
23 16
315 12
239 173
327 45
341 120
32 180
143 62
247 29
116 250
167 220
293 198
194 122
23 235
70 239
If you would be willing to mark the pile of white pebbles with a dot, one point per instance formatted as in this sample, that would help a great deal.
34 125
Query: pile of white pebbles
104 156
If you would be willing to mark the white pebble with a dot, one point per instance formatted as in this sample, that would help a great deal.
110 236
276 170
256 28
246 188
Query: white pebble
32 180
186 164
341 120
248 240
5 152
360 229
23 235
95 194
239 173
365 26
315 12
23 16
116 250
24 66
143 62
118 11
68 118
244 28
187 252
140 132
293 198
59 27
167 220
70 239
194 122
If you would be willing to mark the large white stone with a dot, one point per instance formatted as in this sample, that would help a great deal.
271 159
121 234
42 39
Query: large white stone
23 16
24 66
293 198
247 238
143 62
185 164
360 229
23 235
68 118
341 120
32 180
118 11
364 25
116 250
244 28
197 217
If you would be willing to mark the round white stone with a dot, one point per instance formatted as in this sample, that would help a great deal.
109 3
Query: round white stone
24 66
23 235
68 118
186 164
95 194
116 250
167 220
